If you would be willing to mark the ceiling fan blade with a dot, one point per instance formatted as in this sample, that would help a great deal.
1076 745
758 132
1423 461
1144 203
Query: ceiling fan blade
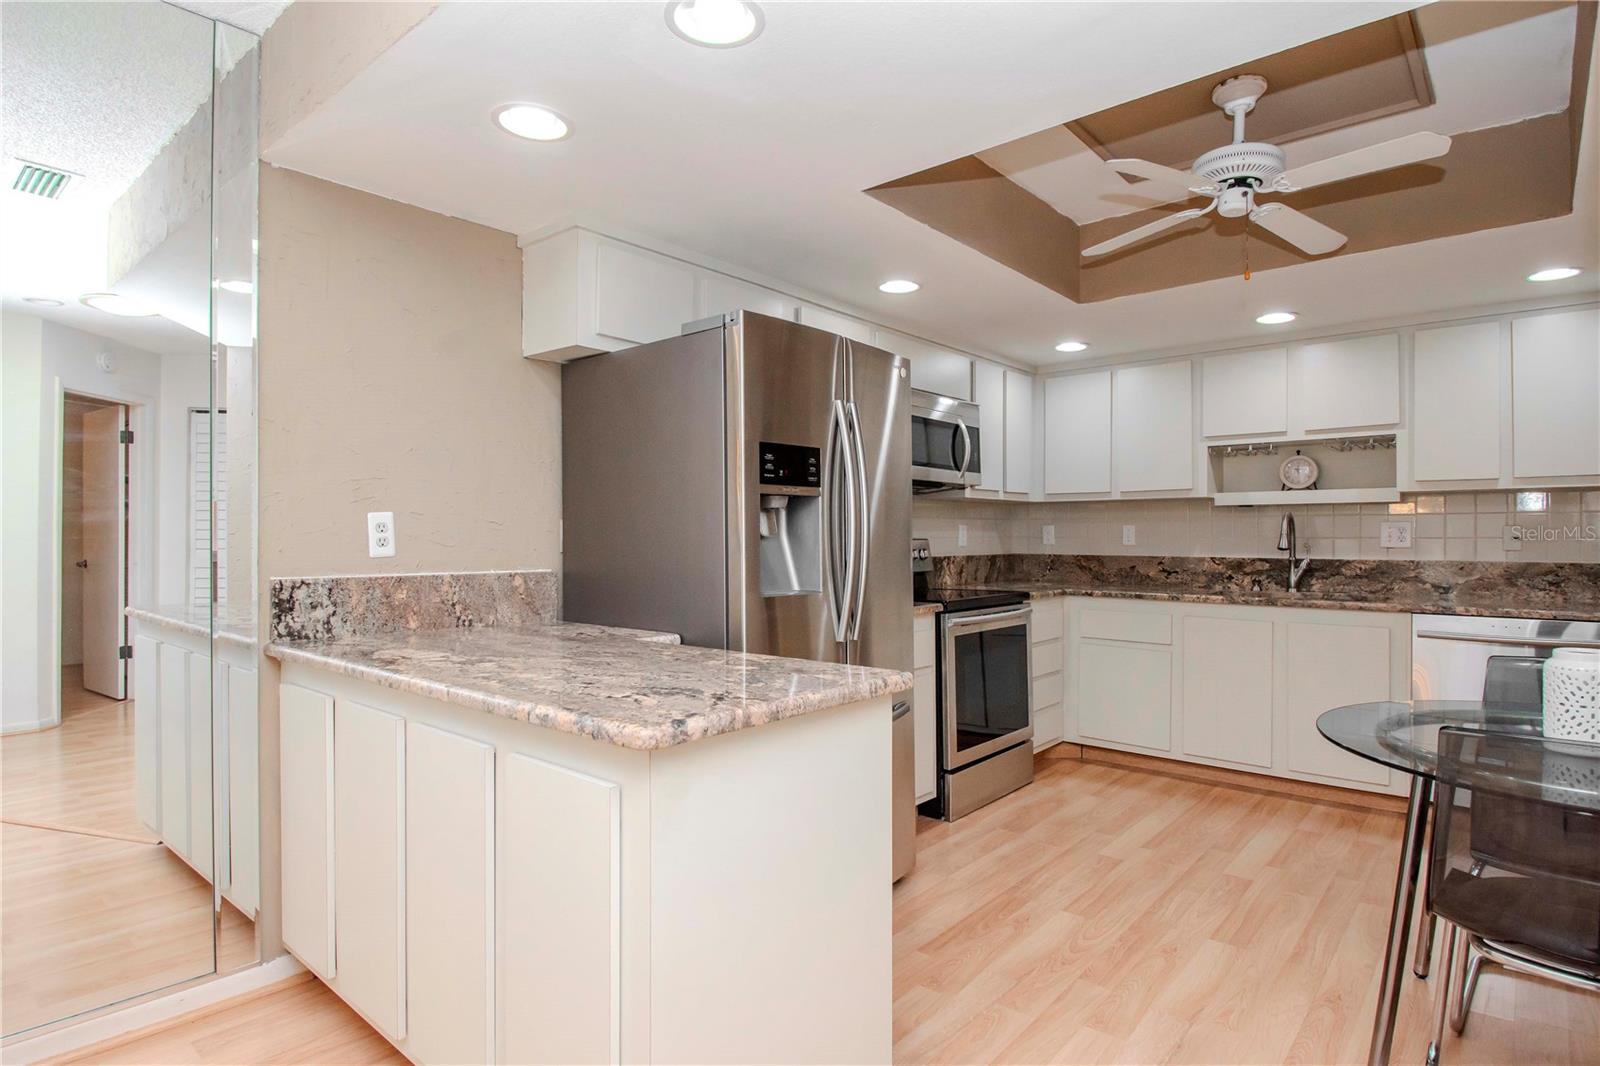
1413 148
1176 180
1302 231
1149 229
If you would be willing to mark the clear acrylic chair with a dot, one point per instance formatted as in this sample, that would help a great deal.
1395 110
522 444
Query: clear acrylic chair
1514 871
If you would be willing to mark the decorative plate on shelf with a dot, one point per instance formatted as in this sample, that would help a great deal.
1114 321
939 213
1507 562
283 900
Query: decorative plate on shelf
1298 472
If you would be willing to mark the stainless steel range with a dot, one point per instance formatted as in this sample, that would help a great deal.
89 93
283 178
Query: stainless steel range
985 708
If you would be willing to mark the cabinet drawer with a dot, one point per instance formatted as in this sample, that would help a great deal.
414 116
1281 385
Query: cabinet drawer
1140 627
1049 620
1046 691
922 644
1046 658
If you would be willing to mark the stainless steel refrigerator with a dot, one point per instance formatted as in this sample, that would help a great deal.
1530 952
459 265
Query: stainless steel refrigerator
745 485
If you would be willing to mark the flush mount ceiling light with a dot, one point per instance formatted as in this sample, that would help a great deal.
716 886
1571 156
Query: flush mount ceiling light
43 301
1276 318
244 288
1071 346
532 122
898 286
715 23
112 304
1554 274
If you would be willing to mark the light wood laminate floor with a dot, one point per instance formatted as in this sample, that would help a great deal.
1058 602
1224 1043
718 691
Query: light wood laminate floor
93 908
1101 915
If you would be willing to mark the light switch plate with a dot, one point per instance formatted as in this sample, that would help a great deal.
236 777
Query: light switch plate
1128 538
380 534
1049 534
1394 534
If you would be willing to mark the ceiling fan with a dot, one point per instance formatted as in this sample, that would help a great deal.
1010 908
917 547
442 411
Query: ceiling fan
1235 174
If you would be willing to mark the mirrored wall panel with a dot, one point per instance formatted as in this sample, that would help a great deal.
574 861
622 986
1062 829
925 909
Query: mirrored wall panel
128 751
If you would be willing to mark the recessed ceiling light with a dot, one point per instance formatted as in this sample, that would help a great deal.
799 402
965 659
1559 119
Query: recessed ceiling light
1276 318
112 304
715 23
532 122
1071 346
899 286
1554 274
43 301
242 287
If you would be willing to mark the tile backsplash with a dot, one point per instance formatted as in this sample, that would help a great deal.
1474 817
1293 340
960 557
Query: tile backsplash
1468 526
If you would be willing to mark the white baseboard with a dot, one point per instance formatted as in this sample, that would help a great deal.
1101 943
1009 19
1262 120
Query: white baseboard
70 1038
29 727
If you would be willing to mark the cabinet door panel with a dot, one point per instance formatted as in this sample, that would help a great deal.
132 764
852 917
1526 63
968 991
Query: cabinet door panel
933 369
147 730
557 940
1330 666
1125 694
1555 389
1455 432
1245 393
449 896
174 668
305 763
244 792
925 711
720 294
833 322
1019 431
1349 383
989 390
1153 425
369 866
1227 689
200 746
1077 433
640 297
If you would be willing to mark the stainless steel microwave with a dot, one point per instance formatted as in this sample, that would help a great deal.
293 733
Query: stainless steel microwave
946 450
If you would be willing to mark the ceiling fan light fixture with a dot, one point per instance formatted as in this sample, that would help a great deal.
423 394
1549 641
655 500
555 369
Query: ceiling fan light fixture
1071 346
715 23
1554 274
1276 318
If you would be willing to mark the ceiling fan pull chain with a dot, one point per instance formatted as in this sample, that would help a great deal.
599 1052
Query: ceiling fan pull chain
1247 249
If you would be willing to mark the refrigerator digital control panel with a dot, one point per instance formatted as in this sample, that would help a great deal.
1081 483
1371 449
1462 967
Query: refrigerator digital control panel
791 466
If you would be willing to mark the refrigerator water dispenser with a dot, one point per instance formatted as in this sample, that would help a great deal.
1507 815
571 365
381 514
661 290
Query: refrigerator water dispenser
791 545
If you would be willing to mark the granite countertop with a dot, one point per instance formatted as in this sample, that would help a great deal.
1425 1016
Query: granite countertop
624 687
926 608
1516 590
196 620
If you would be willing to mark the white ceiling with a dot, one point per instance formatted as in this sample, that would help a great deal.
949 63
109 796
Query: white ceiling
1503 74
757 156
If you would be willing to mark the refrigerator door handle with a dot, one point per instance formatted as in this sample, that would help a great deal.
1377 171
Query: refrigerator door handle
864 518
840 452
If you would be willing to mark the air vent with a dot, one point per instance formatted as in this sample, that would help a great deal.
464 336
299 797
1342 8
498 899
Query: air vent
39 180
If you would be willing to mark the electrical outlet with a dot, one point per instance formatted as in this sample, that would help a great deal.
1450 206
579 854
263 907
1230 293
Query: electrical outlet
961 534
1128 538
1049 533
1394 534
380 534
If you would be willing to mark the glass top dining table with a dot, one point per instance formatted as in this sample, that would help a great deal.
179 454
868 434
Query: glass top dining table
1407 737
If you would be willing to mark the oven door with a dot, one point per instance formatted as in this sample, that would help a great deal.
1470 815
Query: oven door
945 445
1453 658
986 697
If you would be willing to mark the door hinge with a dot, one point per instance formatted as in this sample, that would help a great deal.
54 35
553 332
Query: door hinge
125 436
125 651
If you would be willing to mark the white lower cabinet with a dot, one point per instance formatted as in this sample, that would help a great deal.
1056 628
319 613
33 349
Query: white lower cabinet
305 760
173 667
1046 657
925 708
1238 687
147 740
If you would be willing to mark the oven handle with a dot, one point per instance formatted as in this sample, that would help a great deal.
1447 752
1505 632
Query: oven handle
957 620
1514 642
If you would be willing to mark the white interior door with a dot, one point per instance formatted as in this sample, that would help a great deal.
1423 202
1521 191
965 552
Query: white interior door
104 546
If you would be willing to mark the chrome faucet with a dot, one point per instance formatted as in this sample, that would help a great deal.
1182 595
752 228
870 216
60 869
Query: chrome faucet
1297 565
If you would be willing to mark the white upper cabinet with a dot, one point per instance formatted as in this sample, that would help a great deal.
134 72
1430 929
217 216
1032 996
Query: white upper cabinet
1555 388
1455 407
1347 384
1019 431
989 391
933 369
1077 433
1153 427
833 322
718 294
1245 393
639 296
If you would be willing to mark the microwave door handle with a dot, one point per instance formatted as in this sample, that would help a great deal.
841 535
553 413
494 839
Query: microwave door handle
1513 642
864 517
966 447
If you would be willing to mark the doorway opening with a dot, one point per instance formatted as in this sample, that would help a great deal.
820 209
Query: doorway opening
94 497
